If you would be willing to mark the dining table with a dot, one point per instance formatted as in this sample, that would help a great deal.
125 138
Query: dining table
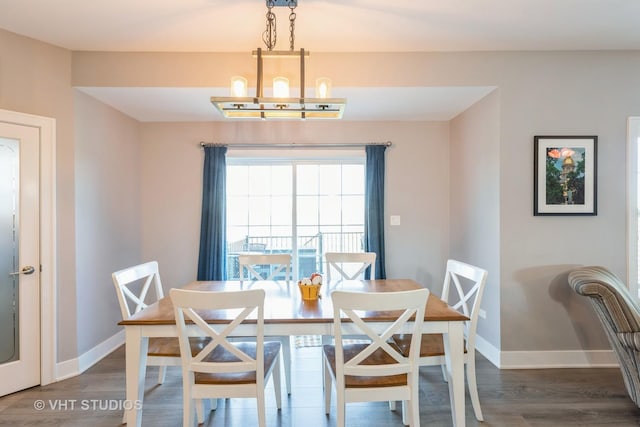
286 313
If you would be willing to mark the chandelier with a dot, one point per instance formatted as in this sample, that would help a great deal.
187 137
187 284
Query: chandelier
279 106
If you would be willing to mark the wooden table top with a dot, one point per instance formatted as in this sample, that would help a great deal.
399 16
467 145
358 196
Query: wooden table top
284 304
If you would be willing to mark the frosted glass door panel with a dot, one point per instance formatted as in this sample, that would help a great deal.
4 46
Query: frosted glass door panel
9 190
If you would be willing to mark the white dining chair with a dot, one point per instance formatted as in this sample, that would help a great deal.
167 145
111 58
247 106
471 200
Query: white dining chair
350 265
133 288
468 283
225 368
136 288
275 264
374 371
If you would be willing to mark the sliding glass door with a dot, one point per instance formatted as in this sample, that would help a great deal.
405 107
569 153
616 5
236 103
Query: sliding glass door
302 207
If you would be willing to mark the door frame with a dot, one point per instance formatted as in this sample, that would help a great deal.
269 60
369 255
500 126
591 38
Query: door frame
48 314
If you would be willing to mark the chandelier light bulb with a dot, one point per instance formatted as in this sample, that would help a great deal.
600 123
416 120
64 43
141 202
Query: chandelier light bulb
281 87
323 87
238 86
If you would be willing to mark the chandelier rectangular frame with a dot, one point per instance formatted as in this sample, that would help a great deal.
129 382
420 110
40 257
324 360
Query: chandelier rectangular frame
261 107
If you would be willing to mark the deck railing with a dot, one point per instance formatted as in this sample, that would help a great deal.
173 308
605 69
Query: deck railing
310 249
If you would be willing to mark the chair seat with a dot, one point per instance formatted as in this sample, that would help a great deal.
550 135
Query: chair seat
170 347
219 354
379 357
430 345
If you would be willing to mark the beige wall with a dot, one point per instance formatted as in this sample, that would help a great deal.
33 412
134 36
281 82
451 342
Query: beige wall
107 214
580 93
474 230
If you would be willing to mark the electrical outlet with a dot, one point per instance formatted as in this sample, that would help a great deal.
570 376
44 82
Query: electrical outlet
482 314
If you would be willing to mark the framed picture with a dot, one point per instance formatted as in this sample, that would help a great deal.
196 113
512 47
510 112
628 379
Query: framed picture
564 175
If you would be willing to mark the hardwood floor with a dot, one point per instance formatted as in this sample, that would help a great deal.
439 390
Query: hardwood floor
513 398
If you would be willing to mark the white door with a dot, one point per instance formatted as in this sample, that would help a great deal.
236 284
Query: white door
19 258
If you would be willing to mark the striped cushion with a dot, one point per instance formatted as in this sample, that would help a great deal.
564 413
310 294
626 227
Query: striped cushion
630 339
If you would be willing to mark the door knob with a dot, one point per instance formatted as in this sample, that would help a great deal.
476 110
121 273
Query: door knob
26 270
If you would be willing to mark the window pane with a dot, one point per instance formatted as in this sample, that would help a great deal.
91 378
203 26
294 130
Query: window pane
353 229
353 179
307 232
330 209
281 210
259 211
236 237
352 210
260 180
281 180
330 179
307 179
237 210
237 180
259 232
307 210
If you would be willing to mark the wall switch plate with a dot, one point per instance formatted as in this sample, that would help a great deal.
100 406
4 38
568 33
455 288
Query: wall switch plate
395 219
482 314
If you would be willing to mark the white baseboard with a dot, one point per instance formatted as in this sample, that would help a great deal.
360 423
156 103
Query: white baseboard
73 367
501 359
558 359
546 359
487 349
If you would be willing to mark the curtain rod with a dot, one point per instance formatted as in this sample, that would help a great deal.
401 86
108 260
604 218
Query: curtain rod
293 145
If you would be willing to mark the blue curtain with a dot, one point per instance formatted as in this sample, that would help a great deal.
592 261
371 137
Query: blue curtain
374 206
212 261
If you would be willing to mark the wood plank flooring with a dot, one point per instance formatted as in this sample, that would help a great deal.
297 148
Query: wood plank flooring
513 398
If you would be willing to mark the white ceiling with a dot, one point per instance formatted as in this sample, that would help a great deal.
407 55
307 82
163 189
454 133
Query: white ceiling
321 26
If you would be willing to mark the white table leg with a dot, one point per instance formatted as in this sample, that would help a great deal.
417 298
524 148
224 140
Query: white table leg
326 340
136 366
454 356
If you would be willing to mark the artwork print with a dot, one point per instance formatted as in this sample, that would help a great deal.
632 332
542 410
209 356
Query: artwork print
564 175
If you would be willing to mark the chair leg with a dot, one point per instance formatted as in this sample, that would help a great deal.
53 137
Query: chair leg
326 340
277 384
188 419
406 415
260 401
327 386
414 406
341 407
200 410
162 371
473 387
187 403
410 413
286 350
443 367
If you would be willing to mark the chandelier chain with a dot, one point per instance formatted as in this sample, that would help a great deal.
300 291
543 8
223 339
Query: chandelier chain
270 35
292 24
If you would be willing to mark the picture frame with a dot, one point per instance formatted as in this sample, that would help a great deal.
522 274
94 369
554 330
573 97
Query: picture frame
564 175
